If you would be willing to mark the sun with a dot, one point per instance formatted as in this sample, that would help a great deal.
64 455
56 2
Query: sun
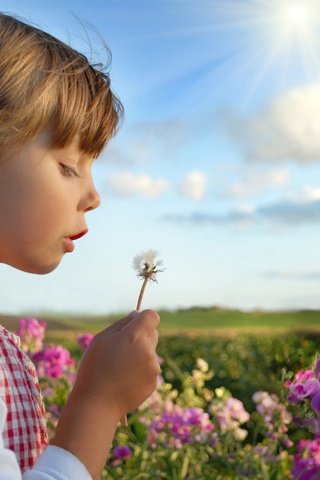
297 15
290 31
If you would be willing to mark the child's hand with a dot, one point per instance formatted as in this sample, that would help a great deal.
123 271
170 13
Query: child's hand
120 368
117 373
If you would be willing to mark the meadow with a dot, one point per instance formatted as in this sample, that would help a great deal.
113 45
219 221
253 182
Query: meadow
196 321
238 396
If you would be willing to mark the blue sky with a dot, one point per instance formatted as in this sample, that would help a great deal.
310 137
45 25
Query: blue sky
216 166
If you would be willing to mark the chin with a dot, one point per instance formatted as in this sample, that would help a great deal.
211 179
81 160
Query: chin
36 267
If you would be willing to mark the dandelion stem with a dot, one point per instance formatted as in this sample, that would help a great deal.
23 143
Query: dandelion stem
142 292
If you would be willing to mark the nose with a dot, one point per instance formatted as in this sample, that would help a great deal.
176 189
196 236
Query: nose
92 199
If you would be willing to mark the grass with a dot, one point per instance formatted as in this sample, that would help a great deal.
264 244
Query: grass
194 321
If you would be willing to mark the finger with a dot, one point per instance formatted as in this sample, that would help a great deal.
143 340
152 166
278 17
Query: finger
154 338
144 323
120 324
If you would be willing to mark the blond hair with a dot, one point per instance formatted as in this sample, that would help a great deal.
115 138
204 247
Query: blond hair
46 82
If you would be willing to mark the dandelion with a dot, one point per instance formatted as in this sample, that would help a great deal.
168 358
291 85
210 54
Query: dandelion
147 268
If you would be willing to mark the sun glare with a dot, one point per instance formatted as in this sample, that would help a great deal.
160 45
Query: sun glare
297 15
291 29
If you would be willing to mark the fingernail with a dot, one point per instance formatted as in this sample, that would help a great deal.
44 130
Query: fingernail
134 313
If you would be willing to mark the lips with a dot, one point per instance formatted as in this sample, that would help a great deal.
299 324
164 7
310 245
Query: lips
78 235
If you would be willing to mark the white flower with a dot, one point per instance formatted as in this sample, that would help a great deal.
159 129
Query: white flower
146 265
240 434
202 365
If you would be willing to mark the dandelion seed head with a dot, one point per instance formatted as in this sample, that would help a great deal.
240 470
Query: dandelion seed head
146 264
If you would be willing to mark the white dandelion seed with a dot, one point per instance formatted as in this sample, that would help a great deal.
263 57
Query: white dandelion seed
147 268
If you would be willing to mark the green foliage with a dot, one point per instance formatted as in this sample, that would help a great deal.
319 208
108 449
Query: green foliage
243 364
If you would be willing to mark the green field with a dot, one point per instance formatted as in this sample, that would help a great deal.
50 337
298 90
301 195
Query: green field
195 321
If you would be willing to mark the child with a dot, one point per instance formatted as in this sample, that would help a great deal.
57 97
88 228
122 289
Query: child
56 114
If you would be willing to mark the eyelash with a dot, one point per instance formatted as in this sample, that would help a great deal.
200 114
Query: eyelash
69 171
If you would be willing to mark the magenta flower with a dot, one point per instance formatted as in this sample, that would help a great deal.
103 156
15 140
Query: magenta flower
122 452
176 426
307 460
53 361
84 340
31 333
306 385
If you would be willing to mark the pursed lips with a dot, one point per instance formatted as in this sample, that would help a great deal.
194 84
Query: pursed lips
78 235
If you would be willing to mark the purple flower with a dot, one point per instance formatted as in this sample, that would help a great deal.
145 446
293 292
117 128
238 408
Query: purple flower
229 414
315 402
274 415
31 333
84 340
307 460
122 452
176 426
53 361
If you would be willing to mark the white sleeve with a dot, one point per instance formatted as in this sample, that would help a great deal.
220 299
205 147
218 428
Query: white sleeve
54 463
9 466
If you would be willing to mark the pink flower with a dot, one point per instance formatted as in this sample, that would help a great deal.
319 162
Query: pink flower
84 340
53 361
303 375
31 333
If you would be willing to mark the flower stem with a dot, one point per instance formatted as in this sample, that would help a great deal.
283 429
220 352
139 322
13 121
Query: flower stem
142 292
124 420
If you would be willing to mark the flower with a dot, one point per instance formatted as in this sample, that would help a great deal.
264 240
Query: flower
315 402
31 333
84 340
307 460
53 361
202 365
306 387
229 414
122 451
146 266
176 426
274 415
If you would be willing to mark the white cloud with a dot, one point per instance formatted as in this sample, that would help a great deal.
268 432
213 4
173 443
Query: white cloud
194 185
255 182
127 184
288 128
306 194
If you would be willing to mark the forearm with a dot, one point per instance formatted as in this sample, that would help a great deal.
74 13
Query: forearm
87 431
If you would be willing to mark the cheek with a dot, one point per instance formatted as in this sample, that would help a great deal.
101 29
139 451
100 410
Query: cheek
36 212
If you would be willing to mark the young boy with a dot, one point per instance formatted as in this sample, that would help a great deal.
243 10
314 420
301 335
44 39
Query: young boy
56 114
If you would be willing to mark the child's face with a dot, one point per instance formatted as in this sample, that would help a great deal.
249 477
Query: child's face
44 195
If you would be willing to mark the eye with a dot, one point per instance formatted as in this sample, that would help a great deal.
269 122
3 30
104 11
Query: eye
69 171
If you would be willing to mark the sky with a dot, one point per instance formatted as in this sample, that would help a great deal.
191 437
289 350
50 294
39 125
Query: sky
216 165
